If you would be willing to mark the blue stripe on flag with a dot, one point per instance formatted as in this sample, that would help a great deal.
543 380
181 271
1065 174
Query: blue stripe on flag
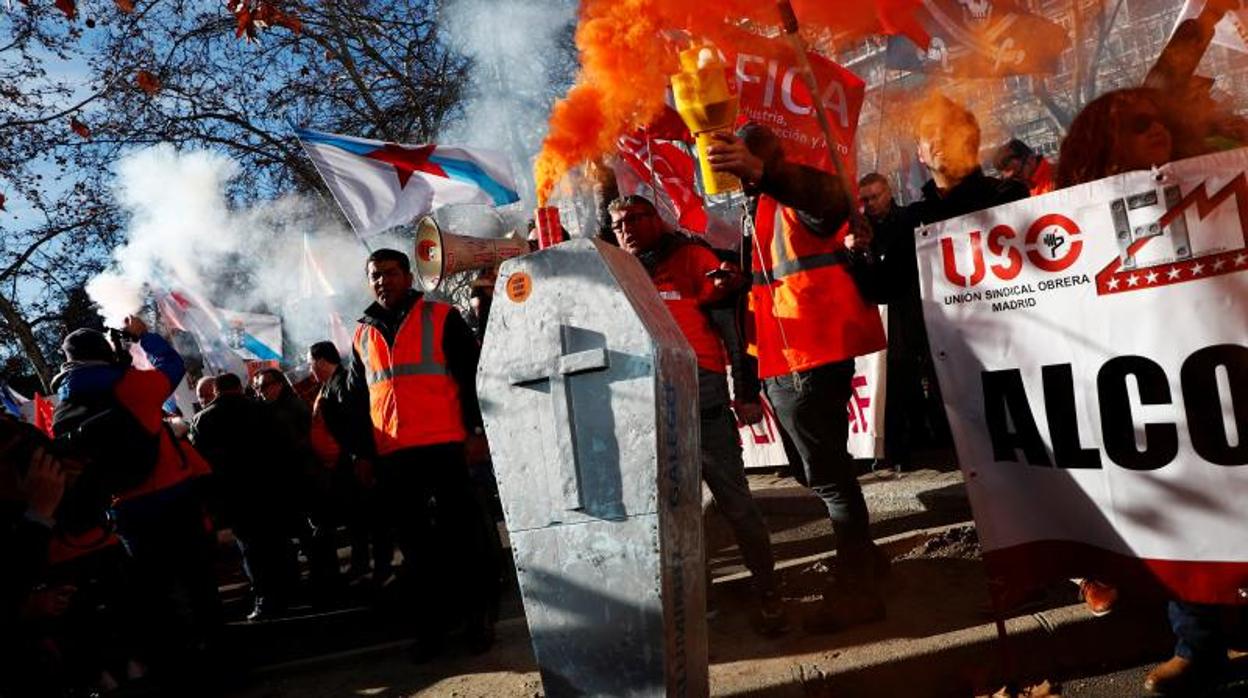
470 172
336 141
259 349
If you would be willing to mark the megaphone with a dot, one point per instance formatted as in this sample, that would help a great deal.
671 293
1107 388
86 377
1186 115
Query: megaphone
440 254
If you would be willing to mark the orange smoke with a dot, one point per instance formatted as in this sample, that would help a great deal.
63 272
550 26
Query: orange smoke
626 64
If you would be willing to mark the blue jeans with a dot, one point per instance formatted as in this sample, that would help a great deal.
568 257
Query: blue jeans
813 413
724 474
1200 630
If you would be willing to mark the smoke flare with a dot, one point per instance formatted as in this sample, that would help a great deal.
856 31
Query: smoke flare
625 63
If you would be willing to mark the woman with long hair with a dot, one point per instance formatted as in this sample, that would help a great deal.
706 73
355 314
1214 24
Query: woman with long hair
1119 131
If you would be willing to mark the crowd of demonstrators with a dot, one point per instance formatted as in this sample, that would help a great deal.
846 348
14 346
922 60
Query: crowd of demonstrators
253 472
114 518
111 576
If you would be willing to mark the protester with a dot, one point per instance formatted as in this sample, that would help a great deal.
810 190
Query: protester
690 278
32 483
160 520
948 136
358 501
480 298
205 392
311 486
1121 131
250 454
810 323
1016 160
414 362
913 413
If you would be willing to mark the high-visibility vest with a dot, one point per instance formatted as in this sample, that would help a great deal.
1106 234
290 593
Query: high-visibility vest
807 309
413 399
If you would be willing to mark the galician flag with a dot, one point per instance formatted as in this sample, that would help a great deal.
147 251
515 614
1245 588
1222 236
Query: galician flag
380 185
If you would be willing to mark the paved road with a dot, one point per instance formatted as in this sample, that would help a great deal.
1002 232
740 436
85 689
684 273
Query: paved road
1129 683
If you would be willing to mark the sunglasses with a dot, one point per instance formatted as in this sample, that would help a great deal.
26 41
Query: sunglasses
1139 124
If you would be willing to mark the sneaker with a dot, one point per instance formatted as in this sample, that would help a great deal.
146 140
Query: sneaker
770 618
845 610
1098 596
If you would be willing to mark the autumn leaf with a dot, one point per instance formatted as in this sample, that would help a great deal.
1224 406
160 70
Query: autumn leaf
246 29
252 15
147 82
79 128
126 6
68 7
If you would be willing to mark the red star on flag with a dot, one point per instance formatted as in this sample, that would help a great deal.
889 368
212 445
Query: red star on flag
406 160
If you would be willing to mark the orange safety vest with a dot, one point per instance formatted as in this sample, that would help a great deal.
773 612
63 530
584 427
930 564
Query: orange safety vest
413 399
807 309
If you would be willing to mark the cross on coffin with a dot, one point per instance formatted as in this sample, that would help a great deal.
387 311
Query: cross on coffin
558 371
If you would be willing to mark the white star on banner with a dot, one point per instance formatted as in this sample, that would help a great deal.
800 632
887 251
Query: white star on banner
1197 269
1133 280
1151 277
1241 259
1173 273
1217 266
1113 284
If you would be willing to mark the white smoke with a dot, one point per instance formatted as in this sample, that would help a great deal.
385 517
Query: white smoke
183 233
515 47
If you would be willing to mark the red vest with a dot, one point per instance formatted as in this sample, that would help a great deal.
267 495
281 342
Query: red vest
807 309
413 400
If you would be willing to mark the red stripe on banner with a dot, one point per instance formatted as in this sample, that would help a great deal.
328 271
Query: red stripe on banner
1019 569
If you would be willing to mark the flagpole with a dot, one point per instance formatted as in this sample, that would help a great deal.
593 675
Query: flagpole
295 130
879 132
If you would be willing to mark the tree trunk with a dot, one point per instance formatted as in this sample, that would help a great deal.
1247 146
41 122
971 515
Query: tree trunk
13 318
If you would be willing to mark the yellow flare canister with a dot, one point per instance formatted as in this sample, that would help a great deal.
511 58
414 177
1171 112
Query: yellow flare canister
706 106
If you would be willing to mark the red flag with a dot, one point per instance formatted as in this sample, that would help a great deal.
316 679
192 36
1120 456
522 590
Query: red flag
43 414
772 93
669 126
673 169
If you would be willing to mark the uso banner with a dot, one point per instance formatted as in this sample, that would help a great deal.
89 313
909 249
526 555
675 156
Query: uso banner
1092 346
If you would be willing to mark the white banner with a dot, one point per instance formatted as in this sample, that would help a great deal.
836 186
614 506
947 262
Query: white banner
1092 347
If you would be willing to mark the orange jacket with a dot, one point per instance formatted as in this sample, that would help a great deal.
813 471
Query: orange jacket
1042 180
807 309
684 287
413 399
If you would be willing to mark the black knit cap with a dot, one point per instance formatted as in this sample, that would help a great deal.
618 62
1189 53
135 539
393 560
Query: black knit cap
87 345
